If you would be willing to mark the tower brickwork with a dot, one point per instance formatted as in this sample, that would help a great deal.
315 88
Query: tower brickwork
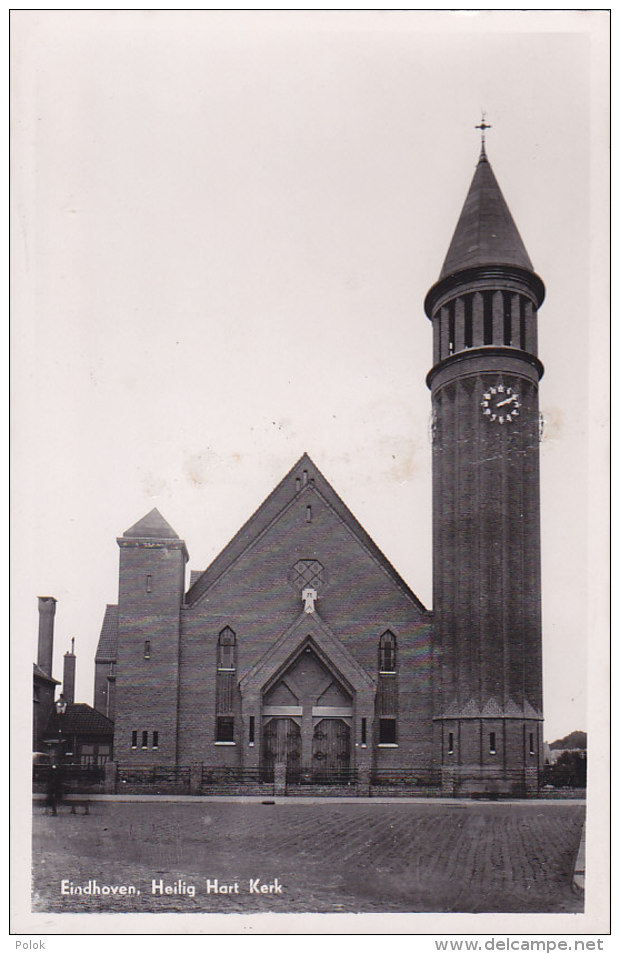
486 510
151 585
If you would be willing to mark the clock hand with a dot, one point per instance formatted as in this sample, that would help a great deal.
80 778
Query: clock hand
512 397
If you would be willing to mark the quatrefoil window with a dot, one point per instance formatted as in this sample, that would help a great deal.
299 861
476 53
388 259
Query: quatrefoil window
307 573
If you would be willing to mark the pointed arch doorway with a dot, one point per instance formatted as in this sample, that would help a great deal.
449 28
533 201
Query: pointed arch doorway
307 714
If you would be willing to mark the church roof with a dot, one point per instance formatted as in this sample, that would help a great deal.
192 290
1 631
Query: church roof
276 502
486 233
108 638
152 525
38 673
80 719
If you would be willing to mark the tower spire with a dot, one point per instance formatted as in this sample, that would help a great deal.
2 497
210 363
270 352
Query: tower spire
482 126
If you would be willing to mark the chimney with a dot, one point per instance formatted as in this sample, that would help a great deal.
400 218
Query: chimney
47 611
68 675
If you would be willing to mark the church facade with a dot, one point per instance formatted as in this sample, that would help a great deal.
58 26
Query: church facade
302 647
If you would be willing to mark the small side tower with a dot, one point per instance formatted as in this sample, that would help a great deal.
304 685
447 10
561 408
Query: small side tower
486 501
150 594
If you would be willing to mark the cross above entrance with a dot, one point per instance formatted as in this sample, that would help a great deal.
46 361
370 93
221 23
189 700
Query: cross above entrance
309 595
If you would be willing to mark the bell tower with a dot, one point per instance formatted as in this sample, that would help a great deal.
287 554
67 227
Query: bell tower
486 501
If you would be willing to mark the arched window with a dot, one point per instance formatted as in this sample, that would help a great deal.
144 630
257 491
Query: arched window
226 649
387 652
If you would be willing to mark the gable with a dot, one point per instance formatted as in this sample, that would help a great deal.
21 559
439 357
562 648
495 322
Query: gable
108 638
301 482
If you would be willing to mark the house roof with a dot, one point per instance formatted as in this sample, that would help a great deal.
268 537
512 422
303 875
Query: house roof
274 504
486 233
80 719
108 638
152 525
38 673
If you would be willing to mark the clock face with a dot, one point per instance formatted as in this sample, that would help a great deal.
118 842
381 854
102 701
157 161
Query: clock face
500 404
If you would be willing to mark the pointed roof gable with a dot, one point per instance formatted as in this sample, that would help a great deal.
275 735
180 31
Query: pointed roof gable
108 638
278 500
486 233
152 525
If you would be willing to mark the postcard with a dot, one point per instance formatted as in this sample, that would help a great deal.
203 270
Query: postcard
310 570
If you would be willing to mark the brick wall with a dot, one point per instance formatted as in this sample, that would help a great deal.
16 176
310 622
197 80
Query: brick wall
358 602
151 581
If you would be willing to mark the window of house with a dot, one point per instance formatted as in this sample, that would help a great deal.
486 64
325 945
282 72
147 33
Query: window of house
145 740
155 739
147 648
387 731
532 751
363 731
225 731
149 583
134 739
387 652
450 743
251 738
226 649
492 748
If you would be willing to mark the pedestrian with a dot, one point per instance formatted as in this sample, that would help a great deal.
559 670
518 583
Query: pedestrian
54 787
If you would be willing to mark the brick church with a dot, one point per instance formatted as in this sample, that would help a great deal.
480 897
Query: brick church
301 646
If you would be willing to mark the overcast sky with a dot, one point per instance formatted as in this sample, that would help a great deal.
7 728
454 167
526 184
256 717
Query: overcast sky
224 229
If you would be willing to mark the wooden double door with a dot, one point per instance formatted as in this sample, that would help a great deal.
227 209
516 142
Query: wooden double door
331 749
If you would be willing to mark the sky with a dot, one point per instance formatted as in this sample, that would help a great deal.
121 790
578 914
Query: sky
224 227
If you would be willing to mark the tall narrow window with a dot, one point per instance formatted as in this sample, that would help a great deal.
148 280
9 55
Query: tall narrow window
469 321
451 334
134 739
507 320
149 583
521 323
450 743
251 738
308 514
155 740
532 752
492 749
387 690
145 740
487 306
147 648
226 649
387 652
225 686
363 731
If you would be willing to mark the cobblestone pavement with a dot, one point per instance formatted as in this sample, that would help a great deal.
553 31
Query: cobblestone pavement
336 857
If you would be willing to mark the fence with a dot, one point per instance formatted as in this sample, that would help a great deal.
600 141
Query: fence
203 779
74 777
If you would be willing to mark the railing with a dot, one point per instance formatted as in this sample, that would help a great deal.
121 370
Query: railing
312 775
235 780
73 777
300 780
162 779
406 781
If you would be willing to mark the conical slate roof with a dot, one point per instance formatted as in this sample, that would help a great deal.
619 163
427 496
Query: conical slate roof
152 525
486 233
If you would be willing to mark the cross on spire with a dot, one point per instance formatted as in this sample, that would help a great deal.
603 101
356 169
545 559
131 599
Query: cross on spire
482 126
